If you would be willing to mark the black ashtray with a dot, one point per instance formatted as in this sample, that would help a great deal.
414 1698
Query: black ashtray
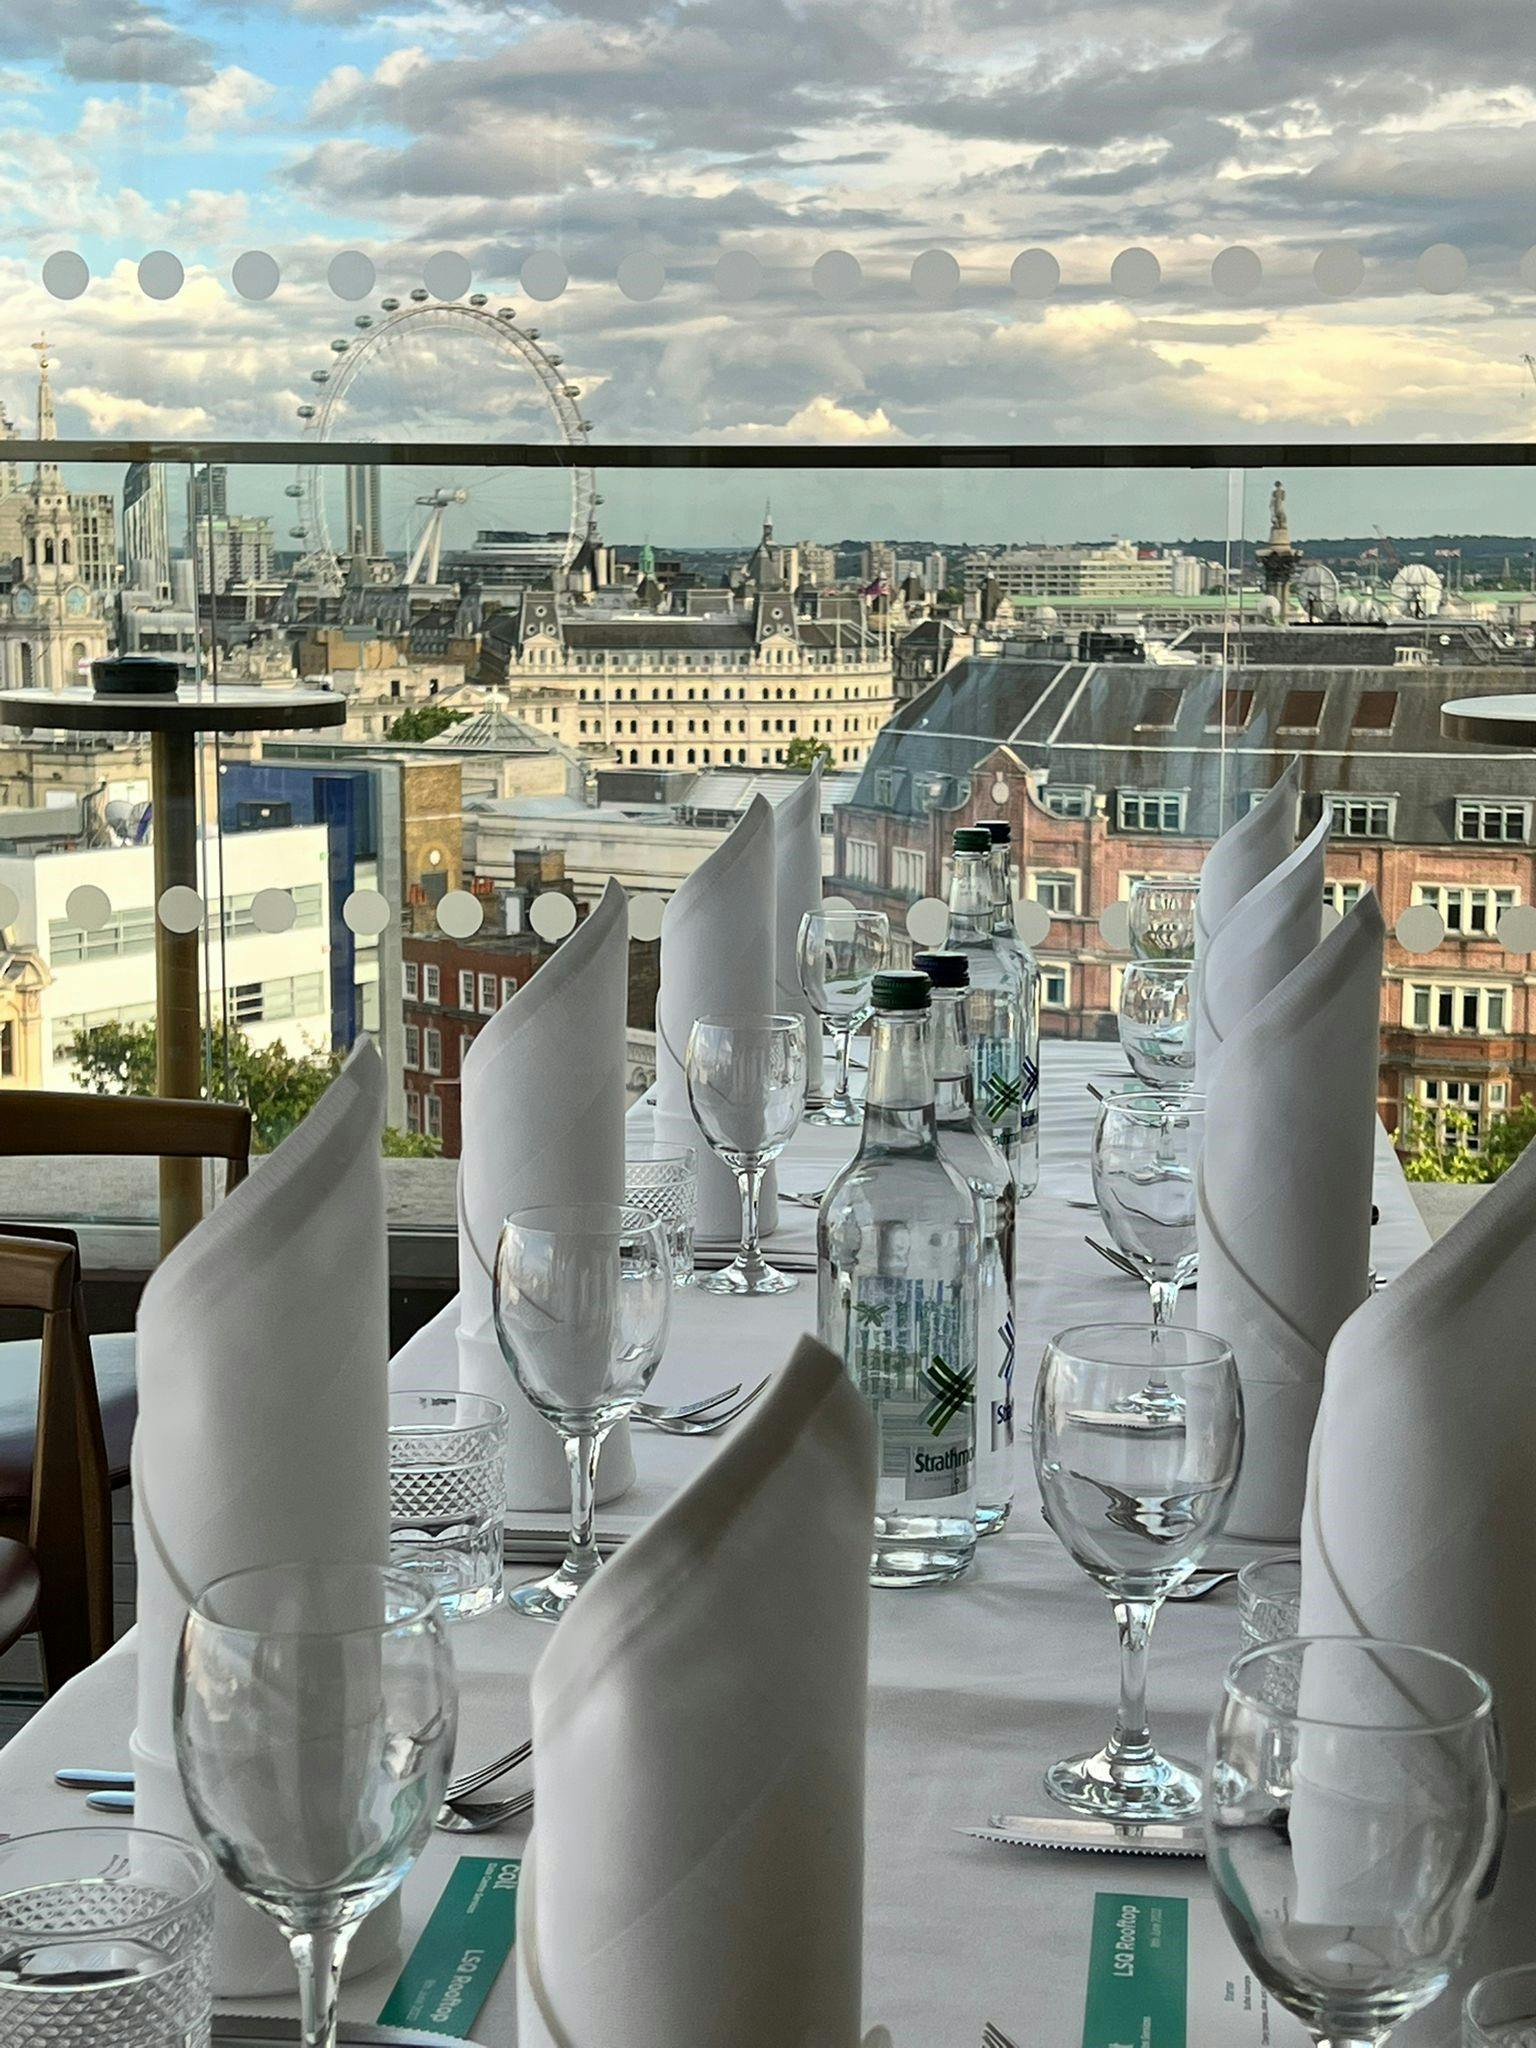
135 675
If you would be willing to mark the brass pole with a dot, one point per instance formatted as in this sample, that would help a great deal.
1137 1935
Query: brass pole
178 1050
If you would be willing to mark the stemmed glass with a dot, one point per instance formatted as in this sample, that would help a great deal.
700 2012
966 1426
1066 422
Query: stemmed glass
1156 1029
1162 919
840 952
746 1086
583 1303
1353 1823
1135 1499
1146 1148
315 1714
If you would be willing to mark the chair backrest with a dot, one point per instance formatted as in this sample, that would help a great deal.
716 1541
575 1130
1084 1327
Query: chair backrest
69 1520
35 1122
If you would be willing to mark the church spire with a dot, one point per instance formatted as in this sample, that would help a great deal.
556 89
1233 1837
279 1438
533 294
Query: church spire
48 479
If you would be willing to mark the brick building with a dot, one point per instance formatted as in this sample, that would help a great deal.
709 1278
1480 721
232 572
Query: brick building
1112 773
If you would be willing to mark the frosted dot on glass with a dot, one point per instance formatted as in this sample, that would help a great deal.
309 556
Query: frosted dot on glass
1516 929
1115 927
1134 273
88 907
1236 272
1338 270
836 274
544 275
365 913
928 921
836 905
641 276
935 275
180 909
350 274
273 910
645 914
255 275
447 274
1032 921
460 915
10 904
1420 929
66 274
553 916
1442 268
738 275
1331 919
161 275
1035 274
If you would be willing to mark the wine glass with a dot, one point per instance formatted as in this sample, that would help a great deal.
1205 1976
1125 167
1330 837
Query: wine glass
1146 1148
1135 1499
1353 1822
839 952
1162 919
1156 1029
746 1086
315 1714
582 1298
1500 2009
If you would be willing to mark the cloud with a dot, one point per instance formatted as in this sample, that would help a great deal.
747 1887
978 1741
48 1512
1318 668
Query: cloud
824 419
110 412
141 51
226 101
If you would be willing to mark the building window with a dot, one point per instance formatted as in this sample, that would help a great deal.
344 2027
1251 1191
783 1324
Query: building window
412 1045
412 1110
434 1106
466 989
1456 1006
412 981
1055 890
1375 711
431 982
909 871
432 1049
1230 712
863 860
1055 986
1466 910
1160 712
1067 800
1302 711
7 1049
487 993
1151 810
508 988
1492 820
1342 896
1454 1110
1363 817
248 1002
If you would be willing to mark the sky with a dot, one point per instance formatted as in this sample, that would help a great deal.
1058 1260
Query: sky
637 142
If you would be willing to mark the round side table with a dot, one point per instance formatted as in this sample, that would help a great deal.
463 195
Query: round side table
1496 721
174 724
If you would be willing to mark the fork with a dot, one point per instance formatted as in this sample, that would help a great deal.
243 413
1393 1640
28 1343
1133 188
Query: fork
466 1818
702 1424
992 2036
472 1781
652 1412
1115 1259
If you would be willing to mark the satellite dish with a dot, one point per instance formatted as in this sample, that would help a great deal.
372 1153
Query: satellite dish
117 811
1316 589
1417 590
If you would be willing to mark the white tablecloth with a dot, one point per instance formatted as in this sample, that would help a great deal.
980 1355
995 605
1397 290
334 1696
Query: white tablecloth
975 1687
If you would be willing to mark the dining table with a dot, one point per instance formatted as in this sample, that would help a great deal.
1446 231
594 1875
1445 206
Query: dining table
975 1686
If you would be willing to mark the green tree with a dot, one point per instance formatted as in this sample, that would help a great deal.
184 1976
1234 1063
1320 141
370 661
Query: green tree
806 753
424 722
1429 1156
279 1087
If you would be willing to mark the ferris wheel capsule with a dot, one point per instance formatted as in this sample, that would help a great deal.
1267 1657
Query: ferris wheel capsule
362 320
506 312
319 376
478 299
340 345
571 390
306 412
390 305
294 491
419 295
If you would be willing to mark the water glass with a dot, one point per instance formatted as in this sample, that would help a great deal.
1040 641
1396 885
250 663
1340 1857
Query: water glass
1269 1600
583 1303
1500 2011
1162 919
105 1940
1156 1027
1352 1831
315 1714
448 1496
1146 1148
1136 1499
840 952
746 1086
664 1182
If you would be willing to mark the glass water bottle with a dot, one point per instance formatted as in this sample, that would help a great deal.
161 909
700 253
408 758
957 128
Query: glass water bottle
898 1262
994 1004
1022 962
969 1147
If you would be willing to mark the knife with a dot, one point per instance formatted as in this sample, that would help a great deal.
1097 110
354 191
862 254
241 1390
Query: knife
1075 1831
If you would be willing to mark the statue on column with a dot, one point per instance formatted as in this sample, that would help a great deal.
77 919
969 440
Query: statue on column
1277 520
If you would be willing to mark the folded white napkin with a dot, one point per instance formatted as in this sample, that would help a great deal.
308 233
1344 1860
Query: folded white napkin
1418 1526
543 1126
1283 1202
718 949
698 1727
797 838
1244 854
1262 937
263 1430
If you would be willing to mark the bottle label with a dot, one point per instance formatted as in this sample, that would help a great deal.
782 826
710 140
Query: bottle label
998 1081
913 1354
1002 1403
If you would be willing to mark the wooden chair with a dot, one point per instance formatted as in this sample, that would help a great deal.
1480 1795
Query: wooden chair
56 1535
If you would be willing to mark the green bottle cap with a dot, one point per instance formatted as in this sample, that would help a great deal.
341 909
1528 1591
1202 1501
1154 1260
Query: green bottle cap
901 989
972 839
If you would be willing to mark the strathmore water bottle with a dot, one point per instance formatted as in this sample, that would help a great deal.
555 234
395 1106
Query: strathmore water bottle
994 1004
970 1148
898 1263
1023 964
